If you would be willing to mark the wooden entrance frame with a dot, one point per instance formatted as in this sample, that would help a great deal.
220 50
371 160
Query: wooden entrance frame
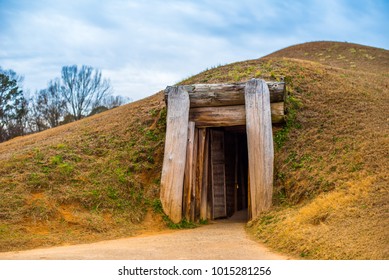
191 109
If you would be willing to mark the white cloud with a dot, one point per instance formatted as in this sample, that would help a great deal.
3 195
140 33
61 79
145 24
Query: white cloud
143 46
134 83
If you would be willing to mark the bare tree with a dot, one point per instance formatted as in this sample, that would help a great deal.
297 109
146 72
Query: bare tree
115 101
49 106
110 102
36 121
83 89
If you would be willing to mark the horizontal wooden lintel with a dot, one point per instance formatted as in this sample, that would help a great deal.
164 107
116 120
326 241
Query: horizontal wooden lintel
213 95
229 115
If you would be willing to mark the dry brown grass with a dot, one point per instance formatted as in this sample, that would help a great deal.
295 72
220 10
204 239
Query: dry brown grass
341 55
96 178
89 180
331 185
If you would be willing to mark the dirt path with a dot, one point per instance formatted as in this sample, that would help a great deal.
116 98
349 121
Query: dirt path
220 240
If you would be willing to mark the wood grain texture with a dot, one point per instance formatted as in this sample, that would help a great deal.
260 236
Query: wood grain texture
188 178
260 145
218 175
200 198
194 187
173 168
204 133
277 112
218 116
209 95
230 115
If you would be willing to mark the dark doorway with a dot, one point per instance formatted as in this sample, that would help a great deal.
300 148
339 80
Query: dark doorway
229 171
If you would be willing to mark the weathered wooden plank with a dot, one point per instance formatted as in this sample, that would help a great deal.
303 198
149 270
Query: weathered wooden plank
249 203
194 176
230 115
188 179
209 95
260 145
218 116
204 207
218 174
175 153
200 172
209 178
277 112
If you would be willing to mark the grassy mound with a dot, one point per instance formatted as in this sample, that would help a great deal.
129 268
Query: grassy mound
98 177
331 158
89 180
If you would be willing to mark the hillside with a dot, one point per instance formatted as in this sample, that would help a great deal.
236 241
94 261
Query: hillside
85 181
98 178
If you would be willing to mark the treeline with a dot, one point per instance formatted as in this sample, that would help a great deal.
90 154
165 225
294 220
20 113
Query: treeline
78 93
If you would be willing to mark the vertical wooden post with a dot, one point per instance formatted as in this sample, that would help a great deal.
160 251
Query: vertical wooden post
260 145
205 212
175 153
200 173
249 203
194 175
218 175
188 179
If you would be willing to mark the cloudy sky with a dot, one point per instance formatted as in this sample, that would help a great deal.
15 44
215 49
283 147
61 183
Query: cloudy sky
143 46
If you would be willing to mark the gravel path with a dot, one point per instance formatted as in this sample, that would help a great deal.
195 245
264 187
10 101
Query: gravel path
222 240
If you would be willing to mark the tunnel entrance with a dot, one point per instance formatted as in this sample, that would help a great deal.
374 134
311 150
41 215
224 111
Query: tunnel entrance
229 172
218 157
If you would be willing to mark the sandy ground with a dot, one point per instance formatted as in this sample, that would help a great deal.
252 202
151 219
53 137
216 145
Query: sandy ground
222 240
